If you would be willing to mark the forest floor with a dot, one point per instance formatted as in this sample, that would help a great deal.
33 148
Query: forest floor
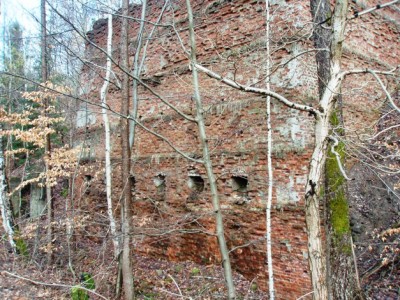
23 279
13 288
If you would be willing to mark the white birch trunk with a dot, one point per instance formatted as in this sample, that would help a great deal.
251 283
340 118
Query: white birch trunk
208 164
5 200
103 97
269 164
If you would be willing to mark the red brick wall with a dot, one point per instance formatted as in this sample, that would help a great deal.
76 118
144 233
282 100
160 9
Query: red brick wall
230 37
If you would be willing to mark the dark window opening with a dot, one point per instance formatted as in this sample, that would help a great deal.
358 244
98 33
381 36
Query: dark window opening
24 198
87 181
132 181
159 182
196 183
239 184
26 191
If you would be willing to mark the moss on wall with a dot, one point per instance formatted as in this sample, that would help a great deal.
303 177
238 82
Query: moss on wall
336 190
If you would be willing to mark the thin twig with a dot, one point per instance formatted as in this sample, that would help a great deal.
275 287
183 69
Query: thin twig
383 131
175 294
361 71
53 285
177 286
246 245
305 295
248 290
355 263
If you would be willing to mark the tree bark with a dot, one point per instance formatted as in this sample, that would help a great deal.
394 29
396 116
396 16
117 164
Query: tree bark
108 168
208 164
329 86
47 150
269 163
322 19
340 267
137 68
5 200
341 272
126 204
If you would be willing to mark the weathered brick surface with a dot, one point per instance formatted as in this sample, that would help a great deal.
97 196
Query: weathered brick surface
230 36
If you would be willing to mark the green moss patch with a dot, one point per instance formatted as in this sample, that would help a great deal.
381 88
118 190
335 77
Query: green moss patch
336 190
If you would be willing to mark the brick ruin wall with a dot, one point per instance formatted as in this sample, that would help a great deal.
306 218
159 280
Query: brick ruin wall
171 193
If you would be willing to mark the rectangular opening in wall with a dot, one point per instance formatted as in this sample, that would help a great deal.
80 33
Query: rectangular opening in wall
87 182
239 184
240 189
159 182
133 182
196 183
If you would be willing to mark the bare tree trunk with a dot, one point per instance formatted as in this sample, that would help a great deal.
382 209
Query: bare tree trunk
322 19
49 198
5 200
207 162
108 170
341 273
269 163
317 255
136 74
126 204
340 270
5 204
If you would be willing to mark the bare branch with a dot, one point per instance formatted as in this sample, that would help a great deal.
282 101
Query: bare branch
335 144
383 131
371 9
361 71
305 295
165 140
177 286
282 64
259 91
151 34
385 90
375 74
246 245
